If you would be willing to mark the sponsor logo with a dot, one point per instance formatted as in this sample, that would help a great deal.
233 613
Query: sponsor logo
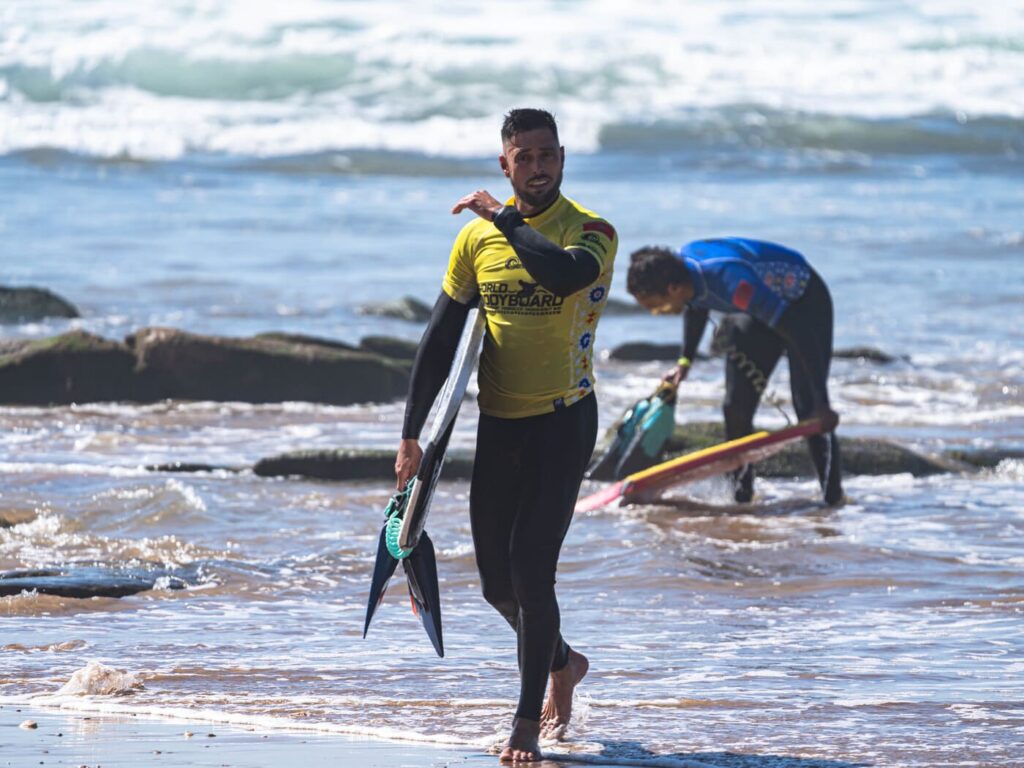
528 299
742 295
513 262
603 227
597 293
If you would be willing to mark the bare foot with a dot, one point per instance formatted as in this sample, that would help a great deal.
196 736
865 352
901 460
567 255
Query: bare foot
524 743
558 708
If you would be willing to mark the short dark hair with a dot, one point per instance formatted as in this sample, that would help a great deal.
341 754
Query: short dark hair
522 120
652 269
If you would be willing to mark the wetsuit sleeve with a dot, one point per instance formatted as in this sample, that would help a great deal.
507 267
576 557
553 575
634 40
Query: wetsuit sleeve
748 293
563 271
433 361
695 320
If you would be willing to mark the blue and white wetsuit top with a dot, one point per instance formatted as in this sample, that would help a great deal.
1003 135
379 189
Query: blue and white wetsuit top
734 274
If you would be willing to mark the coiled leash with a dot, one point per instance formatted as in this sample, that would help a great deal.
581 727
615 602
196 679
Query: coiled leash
753 372
394 514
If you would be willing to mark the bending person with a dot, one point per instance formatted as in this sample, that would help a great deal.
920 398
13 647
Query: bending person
780 304
541 267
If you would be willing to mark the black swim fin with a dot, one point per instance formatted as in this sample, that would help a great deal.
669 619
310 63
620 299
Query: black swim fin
421 573
383 569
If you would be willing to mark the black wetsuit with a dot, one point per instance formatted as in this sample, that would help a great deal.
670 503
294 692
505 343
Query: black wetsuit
526 471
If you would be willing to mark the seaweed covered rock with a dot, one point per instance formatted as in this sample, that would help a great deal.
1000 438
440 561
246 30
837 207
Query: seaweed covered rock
90 581
177 364
352 464
860 456
407 308
29 305
74 367
388 346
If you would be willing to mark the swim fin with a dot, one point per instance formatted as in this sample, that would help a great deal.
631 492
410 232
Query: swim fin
421 574
383 570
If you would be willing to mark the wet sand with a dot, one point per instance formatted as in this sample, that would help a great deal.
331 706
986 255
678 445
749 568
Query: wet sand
104 741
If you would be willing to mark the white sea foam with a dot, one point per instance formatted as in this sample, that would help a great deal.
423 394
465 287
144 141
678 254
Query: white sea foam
97 679
153 80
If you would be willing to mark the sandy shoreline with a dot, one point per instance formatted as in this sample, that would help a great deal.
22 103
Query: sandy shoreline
64 738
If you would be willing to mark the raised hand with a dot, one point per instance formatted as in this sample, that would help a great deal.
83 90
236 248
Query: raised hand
481 202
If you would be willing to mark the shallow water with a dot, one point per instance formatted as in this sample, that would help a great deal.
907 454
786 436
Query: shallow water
146 176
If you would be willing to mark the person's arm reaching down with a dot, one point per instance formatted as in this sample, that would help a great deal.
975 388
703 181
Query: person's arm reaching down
430 369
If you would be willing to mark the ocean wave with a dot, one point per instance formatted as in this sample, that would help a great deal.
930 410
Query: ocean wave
756 128
147 81
739 136
163 72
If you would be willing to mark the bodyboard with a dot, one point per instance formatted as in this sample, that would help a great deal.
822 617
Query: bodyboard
452 395
648 484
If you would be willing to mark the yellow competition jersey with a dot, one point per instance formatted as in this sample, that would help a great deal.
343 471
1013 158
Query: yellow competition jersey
538 350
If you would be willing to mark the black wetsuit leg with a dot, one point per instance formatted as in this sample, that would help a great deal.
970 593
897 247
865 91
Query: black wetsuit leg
806 327
752 350
526 477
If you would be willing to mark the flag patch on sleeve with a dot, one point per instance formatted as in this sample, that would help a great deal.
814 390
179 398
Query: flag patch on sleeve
742 295
603 227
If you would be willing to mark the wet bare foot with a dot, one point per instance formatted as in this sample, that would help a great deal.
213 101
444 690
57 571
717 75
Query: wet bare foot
524 743
558 708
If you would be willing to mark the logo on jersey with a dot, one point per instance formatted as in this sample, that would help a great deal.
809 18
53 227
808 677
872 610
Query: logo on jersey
603 227
519 297
584 383
597 293
592 241
526 290
742 295
585 340
513 262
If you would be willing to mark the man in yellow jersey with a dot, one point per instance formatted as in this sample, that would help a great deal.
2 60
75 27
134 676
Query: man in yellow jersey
540 266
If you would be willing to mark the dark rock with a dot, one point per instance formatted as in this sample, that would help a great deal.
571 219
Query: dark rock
86 581
161 363
347 464
644 351
407 308
12 517
984 458
28 305
177 364
396 349
860 456
386 346
184 466
301 338
869 354
75 367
